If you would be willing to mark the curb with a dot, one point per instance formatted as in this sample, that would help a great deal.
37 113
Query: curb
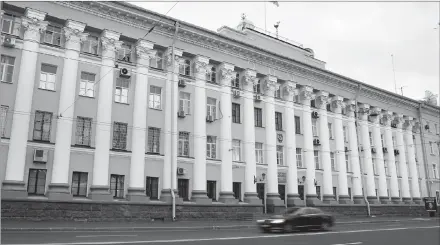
208 227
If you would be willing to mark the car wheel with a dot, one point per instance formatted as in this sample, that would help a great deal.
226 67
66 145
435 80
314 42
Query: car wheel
288 228
325 226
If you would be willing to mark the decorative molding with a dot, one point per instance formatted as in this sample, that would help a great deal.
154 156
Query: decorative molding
144 50
337 104
306 93
387 118
398 119
74 37
250 78
270 85
289 90
35 14
177 57
226 74
33 27
201 65
322 99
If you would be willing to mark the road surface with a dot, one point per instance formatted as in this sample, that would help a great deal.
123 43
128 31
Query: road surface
410 232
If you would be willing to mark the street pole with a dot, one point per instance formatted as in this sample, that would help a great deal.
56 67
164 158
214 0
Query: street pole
425 157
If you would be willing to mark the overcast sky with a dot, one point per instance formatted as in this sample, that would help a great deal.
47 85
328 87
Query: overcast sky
355 39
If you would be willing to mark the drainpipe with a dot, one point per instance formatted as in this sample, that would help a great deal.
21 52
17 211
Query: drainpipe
425 157
359 143
173 180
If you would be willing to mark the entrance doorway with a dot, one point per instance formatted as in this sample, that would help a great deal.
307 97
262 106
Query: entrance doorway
260 191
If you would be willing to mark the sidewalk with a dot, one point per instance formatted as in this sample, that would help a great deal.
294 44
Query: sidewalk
160 225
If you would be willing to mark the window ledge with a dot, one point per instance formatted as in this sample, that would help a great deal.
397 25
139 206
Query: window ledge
6 82
90 54
48 90
156 69
120 150
155 109
186 157
237 122
124 62
41 141
122 103
85 96
52 45
83 146
153 153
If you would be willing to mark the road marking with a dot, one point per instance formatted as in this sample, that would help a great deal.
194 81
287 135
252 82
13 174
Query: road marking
234 238
350 243
105 235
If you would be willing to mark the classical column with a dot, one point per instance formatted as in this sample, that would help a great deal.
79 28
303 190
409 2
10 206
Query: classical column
169 176
250 191
226 75
199 194
375 115
366 149
412 166
306 94
336 106
100 189
401 158
33 25
272 197
358 196
293 198
322 100
59 188
388 137
136 186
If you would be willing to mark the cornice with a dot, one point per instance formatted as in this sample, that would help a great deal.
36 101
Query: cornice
143 19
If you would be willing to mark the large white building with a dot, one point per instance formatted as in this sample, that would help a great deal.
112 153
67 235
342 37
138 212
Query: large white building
92 109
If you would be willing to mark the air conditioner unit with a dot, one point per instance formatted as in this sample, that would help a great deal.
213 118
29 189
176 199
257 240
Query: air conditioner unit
181 114
236 93
181 171
182 83
396 152
124 72
426 126
393 125
315 114
346 149
373 150
8 41
210 118
257 97
316 142
384 149
40 155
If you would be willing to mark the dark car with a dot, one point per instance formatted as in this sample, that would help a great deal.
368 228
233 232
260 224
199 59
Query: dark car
299 219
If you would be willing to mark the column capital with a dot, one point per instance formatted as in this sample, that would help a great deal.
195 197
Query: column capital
409 123
387 118
250 77
74 33
322 99
398 119
110 41
270 85
364 108
177 57
289 90
375 114
33 24
201 64
226 74
145 51
306 93
35 14
350 106
337 103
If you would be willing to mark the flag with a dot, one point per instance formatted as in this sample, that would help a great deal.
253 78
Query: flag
275 3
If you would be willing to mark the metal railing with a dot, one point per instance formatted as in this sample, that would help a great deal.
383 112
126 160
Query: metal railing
278 37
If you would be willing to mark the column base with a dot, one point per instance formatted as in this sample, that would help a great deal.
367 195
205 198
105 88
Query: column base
293 200
373 200
396 200
312 200
166 197
14 189
227 197
345 199
407 200
417 200
200 197
252 198
384 200
329 199
60 192
137 195
100 193
358 200
274 199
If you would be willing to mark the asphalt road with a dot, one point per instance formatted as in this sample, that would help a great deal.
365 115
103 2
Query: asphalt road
425 232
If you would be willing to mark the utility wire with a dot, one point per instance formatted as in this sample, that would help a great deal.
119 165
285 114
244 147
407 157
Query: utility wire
152 28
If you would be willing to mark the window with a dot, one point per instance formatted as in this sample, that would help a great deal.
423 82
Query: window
330 131
385 165
211 147
185 68
436 128
211 107
212 75
79 184
371 138
431 147
42 125
119 135
236 113
152 188
87 84
373 160
121 91
257 87
7 68
236 150
157 60
184 144
329 107
48 77
183 188
90 45
332 161
185 102
382 141
11 25
316 155
235 83
259 153
236 188
211 189
37 181
314 128
349 192
347 163
334 192
344 132
83 131
258 117
124 53
313 103
318 191
280 155
3 119
153 140
278 121
117 185
299 158
434 171
297 125
278 92
394 141
52 35
155 97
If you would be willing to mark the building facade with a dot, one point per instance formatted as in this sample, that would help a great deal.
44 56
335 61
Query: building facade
93 108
